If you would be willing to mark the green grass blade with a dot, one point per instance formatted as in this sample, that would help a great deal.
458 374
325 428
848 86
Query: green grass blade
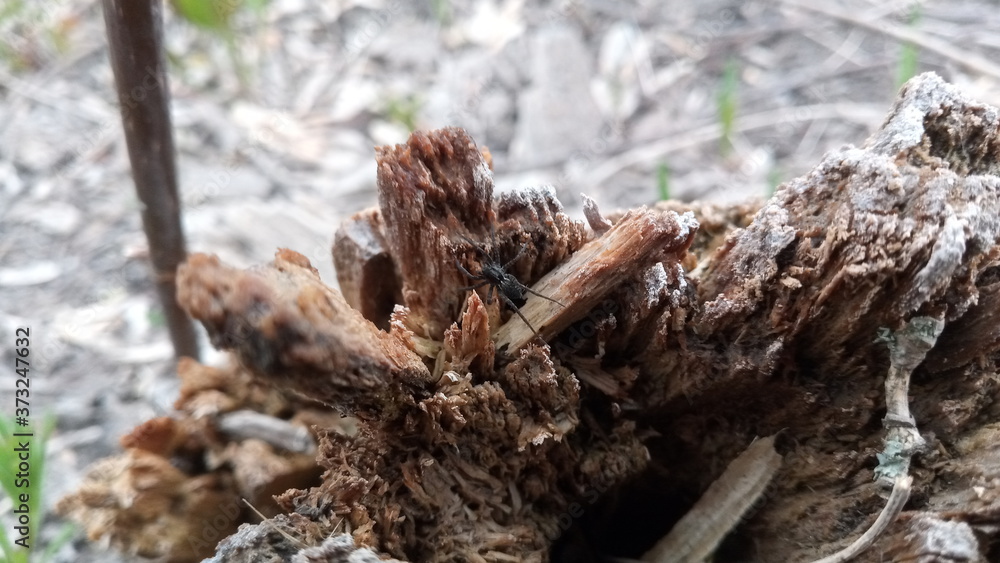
727 104
906 68
663 181
6 546
9 461
773 180
65 535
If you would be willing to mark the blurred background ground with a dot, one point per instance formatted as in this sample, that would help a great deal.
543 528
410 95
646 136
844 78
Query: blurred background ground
275 126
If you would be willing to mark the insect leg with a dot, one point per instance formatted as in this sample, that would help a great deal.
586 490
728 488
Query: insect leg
533 292
466 272
520 253
518 311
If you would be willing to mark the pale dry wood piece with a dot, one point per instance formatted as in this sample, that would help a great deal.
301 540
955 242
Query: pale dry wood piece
897 499
597 222
721 508
287 326
430 189
640 238
246 424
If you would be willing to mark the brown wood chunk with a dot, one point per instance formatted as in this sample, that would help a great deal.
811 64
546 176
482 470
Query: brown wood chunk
286 325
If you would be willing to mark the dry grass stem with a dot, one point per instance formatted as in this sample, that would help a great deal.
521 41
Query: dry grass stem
697 535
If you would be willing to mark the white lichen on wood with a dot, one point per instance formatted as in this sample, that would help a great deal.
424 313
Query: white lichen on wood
907 349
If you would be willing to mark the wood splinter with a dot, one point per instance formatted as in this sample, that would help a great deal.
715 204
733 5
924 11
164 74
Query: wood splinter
594 271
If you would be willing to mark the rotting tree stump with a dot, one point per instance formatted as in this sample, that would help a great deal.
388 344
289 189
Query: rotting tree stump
682 332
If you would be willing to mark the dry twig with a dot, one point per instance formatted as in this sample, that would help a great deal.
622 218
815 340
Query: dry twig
697 535
897 499
907 349
135 39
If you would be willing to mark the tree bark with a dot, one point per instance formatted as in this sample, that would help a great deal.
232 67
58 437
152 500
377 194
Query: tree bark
673 338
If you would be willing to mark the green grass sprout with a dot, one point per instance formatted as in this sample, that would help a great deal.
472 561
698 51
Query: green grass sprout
906 68
663 181
32 486
442 12
403 111
727 104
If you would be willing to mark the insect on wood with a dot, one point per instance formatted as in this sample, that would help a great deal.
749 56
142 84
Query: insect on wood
494 274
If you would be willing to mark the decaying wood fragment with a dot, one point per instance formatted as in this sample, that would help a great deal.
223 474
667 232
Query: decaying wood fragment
142 505
176 490
597 269
782 336
673 348
458 456
253 544
597 222
283 323
437 189
366 271
428 188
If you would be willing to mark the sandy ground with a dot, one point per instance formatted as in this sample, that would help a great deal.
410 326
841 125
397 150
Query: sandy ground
275 137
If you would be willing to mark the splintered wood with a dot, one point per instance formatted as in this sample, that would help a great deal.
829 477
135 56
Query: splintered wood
283 322
597 269
466 450
678 335
177 489
784 335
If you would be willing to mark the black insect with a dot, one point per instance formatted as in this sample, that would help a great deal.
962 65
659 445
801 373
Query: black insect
493 273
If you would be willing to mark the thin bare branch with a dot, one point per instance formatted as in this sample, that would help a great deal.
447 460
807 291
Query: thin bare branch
897 499
697 535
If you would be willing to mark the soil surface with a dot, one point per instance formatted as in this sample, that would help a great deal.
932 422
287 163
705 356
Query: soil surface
275 132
